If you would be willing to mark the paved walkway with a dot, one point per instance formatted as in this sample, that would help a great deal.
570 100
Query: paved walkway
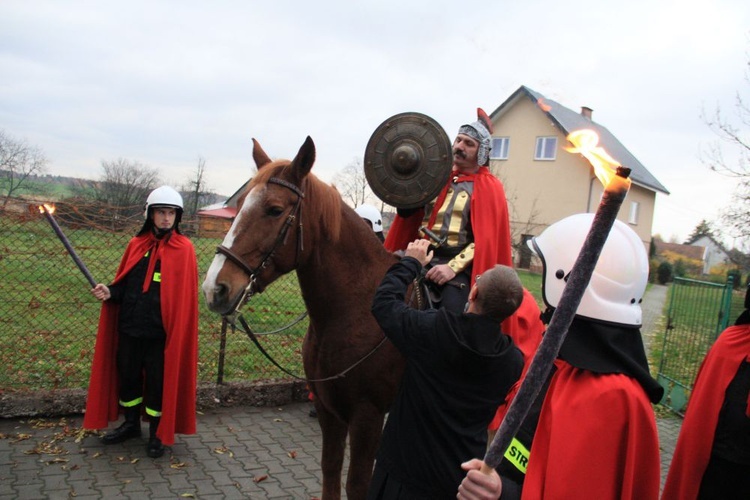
653 322
238 452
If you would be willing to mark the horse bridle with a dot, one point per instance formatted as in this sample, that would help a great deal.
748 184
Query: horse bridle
294 214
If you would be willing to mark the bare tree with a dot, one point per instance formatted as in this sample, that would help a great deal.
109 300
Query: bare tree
352 183
195 191
125 185
18 161
734 133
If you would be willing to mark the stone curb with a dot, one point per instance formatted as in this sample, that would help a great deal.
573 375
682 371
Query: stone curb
73 401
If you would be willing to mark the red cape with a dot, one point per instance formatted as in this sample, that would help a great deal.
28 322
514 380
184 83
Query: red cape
491 228
596 438
525 327
179 304
693 449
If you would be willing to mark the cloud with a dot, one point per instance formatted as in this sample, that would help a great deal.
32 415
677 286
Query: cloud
164 82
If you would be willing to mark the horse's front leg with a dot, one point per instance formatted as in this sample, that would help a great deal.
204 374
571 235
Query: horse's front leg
332 458
364 438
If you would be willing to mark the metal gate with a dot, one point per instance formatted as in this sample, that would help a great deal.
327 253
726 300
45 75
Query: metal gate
698 312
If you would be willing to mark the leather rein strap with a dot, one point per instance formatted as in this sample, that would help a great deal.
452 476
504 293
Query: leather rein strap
341 374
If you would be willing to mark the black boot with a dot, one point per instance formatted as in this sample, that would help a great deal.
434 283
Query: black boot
154 448
129 429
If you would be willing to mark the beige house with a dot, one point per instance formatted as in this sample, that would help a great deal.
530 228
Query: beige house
544 183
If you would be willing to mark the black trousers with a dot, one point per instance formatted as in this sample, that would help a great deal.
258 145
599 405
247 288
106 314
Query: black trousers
454 295
140 366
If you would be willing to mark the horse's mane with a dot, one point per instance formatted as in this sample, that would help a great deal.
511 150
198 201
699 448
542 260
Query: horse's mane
321 207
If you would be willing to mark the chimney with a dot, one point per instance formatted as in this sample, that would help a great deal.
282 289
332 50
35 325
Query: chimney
586 112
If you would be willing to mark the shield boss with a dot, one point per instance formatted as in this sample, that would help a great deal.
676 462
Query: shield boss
408 160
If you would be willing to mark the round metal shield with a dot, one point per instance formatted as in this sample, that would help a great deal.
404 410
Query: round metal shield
408 160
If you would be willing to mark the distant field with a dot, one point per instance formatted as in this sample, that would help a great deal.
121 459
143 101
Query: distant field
48 187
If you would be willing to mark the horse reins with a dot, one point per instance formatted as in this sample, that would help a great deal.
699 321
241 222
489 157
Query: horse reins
296 213
342 373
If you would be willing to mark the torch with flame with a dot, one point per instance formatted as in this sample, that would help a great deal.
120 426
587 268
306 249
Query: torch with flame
48 210
616 183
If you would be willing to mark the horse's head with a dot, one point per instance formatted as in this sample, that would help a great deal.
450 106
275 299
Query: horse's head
265 240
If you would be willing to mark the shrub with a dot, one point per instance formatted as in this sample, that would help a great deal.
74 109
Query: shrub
664 273
736 275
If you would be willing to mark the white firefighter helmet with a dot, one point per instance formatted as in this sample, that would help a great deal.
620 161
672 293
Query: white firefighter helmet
163 196
619 280
371 214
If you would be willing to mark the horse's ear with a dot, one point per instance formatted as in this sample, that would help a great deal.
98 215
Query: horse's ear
304 160
260 156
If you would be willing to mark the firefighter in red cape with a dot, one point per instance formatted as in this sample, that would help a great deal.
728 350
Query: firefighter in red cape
145 359
712 457
592 431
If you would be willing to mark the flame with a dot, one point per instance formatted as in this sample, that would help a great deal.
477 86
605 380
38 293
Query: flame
50 208
586 142
545 107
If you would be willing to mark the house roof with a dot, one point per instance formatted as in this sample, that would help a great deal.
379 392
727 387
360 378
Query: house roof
568 121
697 238
690 251
222 212
225 210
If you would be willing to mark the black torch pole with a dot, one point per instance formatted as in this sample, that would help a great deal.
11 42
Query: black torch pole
69 247
579 278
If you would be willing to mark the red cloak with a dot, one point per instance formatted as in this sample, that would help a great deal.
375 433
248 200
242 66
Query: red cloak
596 438
489 222
693 450
179 310
526 328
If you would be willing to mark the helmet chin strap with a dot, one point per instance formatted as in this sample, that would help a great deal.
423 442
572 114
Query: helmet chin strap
161 233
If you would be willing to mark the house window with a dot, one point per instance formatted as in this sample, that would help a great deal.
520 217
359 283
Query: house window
500 147
546 147
635 210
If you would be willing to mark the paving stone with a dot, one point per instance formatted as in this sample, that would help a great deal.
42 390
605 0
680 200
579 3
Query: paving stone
254 442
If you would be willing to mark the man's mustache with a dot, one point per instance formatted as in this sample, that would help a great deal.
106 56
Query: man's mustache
458 152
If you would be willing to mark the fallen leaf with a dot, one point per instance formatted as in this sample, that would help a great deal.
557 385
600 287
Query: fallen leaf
292 454
258 479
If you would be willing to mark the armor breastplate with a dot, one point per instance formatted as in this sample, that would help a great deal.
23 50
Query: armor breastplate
453 220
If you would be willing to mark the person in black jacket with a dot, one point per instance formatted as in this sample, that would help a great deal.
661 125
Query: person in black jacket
459 369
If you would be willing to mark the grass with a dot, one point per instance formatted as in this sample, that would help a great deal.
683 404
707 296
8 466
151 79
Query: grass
48 319
694 321
533 283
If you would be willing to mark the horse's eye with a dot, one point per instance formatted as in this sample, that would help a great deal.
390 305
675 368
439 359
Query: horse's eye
274 211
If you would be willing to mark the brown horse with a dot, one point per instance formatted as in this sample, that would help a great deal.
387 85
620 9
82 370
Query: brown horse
290 220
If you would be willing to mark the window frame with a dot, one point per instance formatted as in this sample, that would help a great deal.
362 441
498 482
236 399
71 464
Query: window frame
634 213
496 153
541 146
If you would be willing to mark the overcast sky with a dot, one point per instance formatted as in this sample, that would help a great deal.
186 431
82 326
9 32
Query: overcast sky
167 82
